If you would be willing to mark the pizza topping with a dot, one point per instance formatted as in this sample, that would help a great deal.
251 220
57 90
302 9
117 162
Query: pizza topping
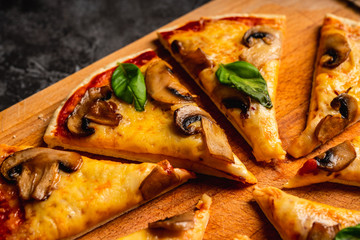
322 231
104 113
256 34
160 178
186 118
263 44
234 102
352 232
163 86
335 51
93 107
36 170
329 127
195 60
246 78
128 84
332 125
310 166
346 105
337 158
180 222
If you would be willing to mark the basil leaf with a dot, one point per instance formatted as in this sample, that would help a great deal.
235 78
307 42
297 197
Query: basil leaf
128 84
245 77
349 233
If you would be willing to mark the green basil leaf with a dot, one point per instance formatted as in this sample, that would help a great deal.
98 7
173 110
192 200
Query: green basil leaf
349 233
128 84
245 77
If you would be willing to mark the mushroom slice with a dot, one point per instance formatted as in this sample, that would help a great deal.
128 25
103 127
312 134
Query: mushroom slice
36 170
103 113
160 178
263 45
185 117
177 47
195 60
346 105
216 140
215 137
321 231
180 222
337 158
163 86
335 51
232 98
329 127
77 123
236 102
257 33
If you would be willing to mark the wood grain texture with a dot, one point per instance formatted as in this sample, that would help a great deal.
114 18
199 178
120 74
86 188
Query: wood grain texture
233 210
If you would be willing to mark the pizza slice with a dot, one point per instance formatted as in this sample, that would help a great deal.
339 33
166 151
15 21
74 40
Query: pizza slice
297 218
235 60
335 96
138 109
53 194
187 226
340 164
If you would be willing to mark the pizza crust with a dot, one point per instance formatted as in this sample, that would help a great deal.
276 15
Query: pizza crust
216 17
284 210
267 144
206 164
327 84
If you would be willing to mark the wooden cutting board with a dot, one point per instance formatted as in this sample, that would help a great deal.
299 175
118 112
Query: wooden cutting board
234 210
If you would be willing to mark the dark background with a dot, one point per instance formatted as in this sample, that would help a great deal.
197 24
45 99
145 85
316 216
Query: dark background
43 41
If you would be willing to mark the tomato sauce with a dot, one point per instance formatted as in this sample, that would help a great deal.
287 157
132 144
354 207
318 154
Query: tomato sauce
11 212
197 26
99 80
310 166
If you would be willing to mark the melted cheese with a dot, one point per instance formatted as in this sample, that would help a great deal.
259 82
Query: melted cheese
327 84
221 41
97 192
150 136
293 217
201 219
152 131
349 175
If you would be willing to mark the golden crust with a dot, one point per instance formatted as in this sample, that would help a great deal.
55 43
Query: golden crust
328 83
262 123
293 217
201 218
348 176
109 197
187 152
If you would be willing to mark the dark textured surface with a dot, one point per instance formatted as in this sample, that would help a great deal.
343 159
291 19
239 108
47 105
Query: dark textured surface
42 41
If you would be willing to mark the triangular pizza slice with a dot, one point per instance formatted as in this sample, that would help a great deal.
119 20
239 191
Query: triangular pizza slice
54 194
340 164
187 226
334 103
136 108
297 218
235 60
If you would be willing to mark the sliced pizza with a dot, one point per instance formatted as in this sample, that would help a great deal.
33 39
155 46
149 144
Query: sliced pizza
335 95
187 226
340 164
54 194
138 109
235 60
297 218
